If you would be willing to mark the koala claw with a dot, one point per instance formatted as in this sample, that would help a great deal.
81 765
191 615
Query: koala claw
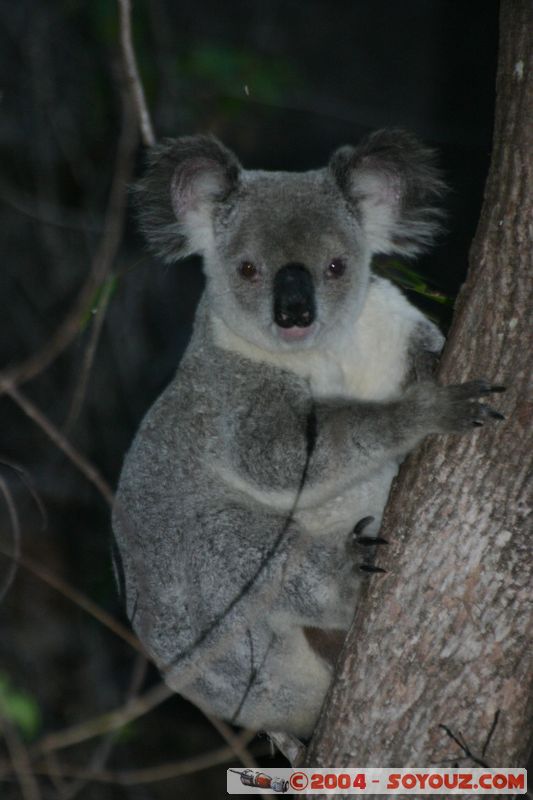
482 386
361 525
370 541
371 568
366 541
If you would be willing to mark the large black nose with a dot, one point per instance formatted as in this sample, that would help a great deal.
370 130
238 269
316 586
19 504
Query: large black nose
294 297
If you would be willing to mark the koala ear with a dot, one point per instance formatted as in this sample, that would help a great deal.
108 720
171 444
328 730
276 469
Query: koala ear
175 200
392 184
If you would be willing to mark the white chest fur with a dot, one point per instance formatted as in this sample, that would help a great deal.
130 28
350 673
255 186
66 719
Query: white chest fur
368 359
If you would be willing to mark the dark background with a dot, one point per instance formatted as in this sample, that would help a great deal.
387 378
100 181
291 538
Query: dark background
283 84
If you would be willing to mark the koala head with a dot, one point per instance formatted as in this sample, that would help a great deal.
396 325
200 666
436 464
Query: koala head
286 254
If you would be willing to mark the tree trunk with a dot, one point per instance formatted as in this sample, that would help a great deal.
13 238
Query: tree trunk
445 636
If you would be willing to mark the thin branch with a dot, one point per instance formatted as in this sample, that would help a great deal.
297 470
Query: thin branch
460 742
290 747
79 460
254 672
96 726
59 783
88 358
23 476
274 548
491 732
79 599
110 721
20 761
105 748
132 74
234 741
127 144
15 528
138 676
162 772
57 216
101 265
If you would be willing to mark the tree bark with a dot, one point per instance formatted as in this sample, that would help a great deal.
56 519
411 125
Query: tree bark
445 636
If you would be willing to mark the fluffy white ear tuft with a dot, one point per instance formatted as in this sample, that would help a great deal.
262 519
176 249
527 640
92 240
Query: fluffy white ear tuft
392 184
185 180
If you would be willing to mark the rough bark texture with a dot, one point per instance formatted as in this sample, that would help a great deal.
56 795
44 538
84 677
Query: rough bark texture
445 637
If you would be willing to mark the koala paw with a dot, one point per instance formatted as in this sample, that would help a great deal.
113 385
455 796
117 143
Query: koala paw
358 540
459 408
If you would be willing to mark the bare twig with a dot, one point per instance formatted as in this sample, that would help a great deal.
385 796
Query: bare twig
101 265
47 214
15 528
132 74
248 586
88 358
20 761
58 781
162 772
105 748
81 600
79 460
491 732
460 742
124 168
138 676
234 741
111 721
23 476
291 747
97 726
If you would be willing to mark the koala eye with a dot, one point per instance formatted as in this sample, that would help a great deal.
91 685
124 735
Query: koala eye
248 270
336 267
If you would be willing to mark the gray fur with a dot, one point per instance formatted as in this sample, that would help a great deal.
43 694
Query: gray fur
237 499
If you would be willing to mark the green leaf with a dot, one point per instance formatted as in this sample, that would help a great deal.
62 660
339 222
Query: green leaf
20 708
408 278
102 295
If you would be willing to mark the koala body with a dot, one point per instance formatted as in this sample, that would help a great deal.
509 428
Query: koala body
306 382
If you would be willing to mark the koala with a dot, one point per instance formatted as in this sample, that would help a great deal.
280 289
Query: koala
262 471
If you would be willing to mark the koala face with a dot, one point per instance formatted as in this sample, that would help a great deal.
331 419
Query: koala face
286 264
286 254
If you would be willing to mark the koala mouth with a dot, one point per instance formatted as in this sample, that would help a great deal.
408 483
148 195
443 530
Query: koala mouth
294 302
295 333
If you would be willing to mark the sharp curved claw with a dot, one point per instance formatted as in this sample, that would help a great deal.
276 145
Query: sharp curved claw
371 568
362 524
370 541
